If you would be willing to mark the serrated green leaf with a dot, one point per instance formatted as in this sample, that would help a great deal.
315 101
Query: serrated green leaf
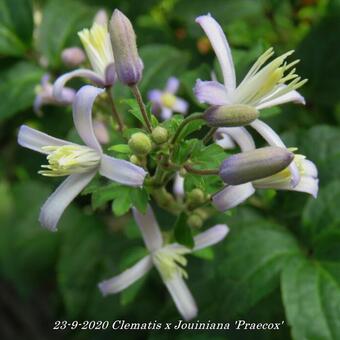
183 150
122 203
140 198
182 232
210 156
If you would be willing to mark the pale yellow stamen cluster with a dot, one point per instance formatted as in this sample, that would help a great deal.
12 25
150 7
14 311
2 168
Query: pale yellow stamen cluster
69 159
168 100
262 84
97 44
170 261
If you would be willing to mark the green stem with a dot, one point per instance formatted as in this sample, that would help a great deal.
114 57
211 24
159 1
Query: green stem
205 172
184 123
138 96
166 201
209 135
115 113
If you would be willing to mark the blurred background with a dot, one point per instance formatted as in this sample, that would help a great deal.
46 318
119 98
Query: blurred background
281 261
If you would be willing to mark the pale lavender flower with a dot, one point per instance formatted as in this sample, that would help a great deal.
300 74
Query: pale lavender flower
233 195
44 95
97 45
262 87
168 259
165 102
79 162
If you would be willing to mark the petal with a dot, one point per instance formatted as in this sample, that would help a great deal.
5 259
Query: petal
172 85
240 135
232 195
221 47
55 205
224 141
182 297
211 236
180 106
122 171
210 92
309 168
273 139
35 140
149 228
292 96
127 277
178 187
155 95
82 115
84 73
38 103
166 113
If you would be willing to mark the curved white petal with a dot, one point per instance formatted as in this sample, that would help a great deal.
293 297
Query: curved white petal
221 47
35 140
210 92
172 85
63 79
309 168
122 171
182 297
273 139
211 236
292 96
149 228
55 205
127 277
166 113
232 195
82 115
240 135
178 187
180 106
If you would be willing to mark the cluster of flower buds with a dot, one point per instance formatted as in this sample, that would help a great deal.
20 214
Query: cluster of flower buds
112 52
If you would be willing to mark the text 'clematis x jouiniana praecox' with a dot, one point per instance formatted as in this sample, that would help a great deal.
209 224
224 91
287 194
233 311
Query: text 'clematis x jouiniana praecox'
264 85
168 259
80 162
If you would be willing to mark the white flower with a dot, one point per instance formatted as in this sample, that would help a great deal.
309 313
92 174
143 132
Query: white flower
168 259
80 163
165 102
262 87
233 195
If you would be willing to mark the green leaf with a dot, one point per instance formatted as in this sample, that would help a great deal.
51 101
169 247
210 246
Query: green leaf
255 253
182 232
210 156
122 203
140 199
17 88
61 21
183 150
104 194
311 296
121 148
16 26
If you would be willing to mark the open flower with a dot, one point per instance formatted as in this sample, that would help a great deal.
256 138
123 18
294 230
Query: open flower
264 85
97 45
233 195
44 95
79 162
164 103
168 259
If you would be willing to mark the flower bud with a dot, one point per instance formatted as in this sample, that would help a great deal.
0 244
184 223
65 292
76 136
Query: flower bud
140 144
134 159
159 135
196 196
251 165
230 115
195 221
73 56
129 66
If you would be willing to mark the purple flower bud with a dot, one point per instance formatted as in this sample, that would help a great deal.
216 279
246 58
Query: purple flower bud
73 56
128 64
230 115
251 165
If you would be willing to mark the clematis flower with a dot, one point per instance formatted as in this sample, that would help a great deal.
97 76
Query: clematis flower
165 102
233 195
44 95
168 259
79 162
97 45
264 85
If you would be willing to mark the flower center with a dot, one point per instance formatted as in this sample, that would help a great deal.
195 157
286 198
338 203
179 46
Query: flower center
168 100
69 159
170 260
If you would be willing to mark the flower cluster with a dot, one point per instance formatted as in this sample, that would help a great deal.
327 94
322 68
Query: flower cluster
158 150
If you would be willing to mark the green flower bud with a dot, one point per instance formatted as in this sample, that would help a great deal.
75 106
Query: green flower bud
230 115
195 221
251 165
128 64
140 144
159 135
134 159
196 196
